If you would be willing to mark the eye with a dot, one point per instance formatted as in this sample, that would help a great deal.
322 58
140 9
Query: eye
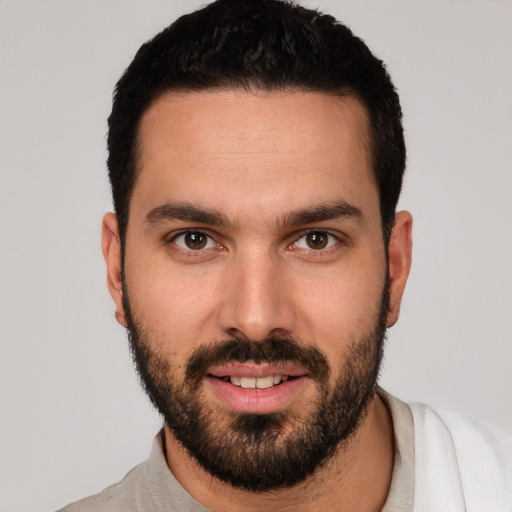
193 240
316 240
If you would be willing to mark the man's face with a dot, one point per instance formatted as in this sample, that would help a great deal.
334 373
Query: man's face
255 277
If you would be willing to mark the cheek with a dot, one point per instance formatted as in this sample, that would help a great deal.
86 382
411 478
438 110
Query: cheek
340 309
172 305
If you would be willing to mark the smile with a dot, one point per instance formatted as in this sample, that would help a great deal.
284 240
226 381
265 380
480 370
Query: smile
256 382
257 388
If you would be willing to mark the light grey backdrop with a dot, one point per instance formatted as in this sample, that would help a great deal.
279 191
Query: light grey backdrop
73 419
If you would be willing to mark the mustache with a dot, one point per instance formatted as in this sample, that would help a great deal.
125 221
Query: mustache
271 350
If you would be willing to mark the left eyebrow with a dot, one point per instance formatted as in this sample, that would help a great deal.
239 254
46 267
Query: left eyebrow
187 212
323 212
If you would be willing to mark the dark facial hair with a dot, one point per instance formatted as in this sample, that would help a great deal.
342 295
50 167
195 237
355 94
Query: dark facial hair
257 452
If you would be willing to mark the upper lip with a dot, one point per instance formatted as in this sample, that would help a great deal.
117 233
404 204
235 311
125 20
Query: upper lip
252 369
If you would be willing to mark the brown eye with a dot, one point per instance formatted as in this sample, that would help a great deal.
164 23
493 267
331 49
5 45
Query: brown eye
317 240
193 240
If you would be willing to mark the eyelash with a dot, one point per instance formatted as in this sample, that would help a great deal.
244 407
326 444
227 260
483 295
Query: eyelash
332 243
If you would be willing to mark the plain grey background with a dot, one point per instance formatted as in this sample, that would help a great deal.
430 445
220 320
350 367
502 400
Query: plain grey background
73 419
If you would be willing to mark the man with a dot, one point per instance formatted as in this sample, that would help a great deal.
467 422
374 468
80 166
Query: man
256 157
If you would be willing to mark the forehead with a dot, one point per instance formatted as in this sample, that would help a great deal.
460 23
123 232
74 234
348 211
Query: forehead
275 148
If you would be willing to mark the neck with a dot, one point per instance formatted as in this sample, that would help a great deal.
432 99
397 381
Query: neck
342 484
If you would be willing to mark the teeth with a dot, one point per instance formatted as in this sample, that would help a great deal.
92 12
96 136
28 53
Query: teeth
236 380
264 382
248 382
259 383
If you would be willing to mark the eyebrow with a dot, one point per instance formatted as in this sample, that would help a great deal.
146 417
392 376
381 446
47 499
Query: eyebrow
317 213
323 212
187 212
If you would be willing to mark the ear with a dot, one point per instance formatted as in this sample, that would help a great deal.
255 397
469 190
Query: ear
111 245
400 253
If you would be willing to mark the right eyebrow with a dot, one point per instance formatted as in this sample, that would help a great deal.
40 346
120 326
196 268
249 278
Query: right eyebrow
322 212
187 212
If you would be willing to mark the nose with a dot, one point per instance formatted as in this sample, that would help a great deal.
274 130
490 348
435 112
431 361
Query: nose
257 300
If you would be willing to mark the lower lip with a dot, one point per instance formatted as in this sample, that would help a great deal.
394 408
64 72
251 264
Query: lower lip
257 401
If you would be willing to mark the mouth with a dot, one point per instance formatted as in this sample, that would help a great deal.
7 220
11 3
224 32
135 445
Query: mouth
257 388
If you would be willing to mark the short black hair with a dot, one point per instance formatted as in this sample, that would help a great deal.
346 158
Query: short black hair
257 45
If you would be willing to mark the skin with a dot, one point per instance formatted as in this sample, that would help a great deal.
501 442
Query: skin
254 158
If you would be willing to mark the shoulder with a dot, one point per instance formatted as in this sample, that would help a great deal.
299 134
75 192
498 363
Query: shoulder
130 494
471 460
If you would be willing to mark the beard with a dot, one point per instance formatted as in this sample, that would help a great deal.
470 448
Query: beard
261 452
